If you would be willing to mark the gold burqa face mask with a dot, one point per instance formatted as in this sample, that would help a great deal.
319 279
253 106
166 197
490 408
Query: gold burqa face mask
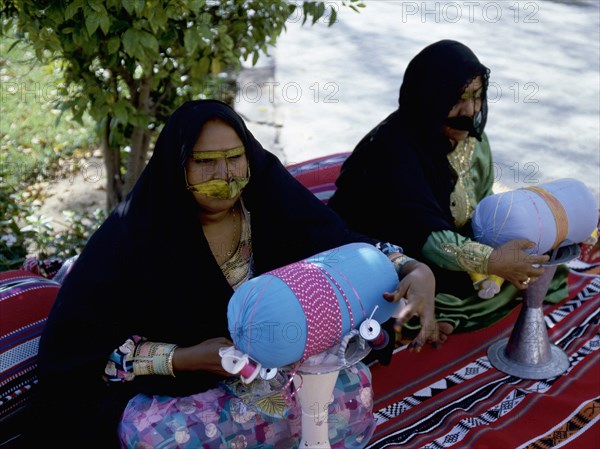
218 188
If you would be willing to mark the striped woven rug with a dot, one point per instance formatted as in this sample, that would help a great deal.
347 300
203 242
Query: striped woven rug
454 398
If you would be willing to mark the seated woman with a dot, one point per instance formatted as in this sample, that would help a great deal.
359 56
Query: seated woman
130 353
430 162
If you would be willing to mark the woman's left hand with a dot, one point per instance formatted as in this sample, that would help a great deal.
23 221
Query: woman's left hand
417 290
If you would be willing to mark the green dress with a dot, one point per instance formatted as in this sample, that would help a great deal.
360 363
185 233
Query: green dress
472 160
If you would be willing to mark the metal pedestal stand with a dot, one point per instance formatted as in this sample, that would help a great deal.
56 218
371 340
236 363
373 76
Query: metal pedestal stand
528 353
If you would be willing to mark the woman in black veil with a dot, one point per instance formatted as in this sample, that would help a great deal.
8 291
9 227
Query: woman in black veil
130 352
429 162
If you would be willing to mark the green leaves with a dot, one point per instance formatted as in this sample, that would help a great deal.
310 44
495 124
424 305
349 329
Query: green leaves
72 9
129 63
129 6
141 45
134 7
354 4
92 22
191 40
113 45
174 45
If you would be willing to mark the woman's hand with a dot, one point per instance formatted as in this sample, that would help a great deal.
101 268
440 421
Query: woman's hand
417 290
511 262
202 357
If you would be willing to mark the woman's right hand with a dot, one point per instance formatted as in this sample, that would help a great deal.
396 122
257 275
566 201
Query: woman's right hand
417 290
511 262
202 357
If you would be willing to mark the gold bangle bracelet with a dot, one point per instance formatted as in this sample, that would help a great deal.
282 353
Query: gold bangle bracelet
170 361
399 261
152 358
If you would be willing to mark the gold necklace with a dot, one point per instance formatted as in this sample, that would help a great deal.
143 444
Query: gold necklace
233 239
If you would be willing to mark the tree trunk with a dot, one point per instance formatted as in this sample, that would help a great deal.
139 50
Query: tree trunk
140 139
112 162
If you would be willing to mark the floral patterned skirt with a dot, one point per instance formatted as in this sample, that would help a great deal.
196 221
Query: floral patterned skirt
239 416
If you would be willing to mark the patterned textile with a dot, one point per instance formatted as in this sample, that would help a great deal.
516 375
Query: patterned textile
589 260
319 302
52 268
25 300
225 417
454 397
47 268
319 174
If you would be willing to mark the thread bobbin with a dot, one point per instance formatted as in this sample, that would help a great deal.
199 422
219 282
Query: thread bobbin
268 373
236 362
249 371
371 331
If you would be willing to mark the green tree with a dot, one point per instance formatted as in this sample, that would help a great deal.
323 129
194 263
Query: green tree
129 63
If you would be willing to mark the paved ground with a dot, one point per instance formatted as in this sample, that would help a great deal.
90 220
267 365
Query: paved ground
323 88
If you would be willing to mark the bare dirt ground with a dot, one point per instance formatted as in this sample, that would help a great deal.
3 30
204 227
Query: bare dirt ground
78 192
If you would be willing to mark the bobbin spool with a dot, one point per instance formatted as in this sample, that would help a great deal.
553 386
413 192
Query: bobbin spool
267 373
236 362
372 332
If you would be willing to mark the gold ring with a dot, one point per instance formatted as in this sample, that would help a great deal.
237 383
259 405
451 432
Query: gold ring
527 281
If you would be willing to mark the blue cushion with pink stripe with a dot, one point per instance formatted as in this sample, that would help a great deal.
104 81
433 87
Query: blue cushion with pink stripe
303 309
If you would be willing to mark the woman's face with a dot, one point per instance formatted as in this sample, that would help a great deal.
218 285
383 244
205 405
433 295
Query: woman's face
468 105
217 155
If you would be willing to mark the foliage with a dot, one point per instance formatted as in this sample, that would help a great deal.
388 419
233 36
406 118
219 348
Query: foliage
13 249
24 234
119 68
129 63
47 244
34 145
35 149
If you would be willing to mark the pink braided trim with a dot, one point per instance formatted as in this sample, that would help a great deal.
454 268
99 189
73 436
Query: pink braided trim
319 303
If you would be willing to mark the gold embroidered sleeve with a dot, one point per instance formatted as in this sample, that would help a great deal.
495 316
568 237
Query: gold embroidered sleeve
453 251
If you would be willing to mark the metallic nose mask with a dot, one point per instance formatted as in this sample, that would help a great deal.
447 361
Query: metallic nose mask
218 188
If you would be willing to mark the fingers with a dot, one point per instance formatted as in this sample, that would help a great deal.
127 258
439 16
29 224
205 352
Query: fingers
535 273
429 334
435 333
402 289
445 328
524 244
426 335
406 312
538 259
522 285
398 294
390 297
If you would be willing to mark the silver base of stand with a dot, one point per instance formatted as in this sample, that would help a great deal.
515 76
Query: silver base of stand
528 353
558 363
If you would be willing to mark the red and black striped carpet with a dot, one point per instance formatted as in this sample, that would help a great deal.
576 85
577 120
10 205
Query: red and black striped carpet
454 398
